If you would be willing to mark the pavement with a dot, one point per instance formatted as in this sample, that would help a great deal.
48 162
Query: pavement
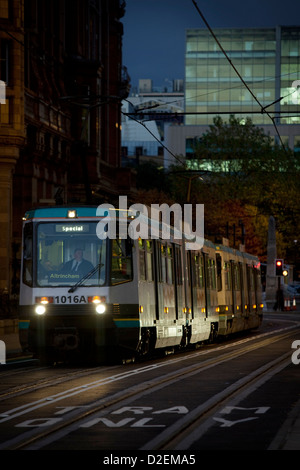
287 438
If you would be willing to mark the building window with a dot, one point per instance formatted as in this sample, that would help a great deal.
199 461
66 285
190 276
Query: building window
4 9
124 151
4 61
211 79
248 45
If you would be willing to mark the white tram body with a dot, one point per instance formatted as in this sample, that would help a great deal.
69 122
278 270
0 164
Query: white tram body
134 296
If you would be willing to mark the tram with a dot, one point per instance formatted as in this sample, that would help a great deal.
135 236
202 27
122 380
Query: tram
95 298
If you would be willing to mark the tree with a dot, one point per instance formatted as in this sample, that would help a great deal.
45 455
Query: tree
241 150
150 176
246 167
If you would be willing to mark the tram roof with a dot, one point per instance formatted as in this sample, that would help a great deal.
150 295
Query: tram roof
61 212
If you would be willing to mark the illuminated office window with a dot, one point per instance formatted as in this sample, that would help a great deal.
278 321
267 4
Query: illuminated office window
212 83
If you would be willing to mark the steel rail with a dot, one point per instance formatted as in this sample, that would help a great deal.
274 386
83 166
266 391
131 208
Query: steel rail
35 437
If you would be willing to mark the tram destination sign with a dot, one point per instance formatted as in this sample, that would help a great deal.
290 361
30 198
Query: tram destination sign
72 228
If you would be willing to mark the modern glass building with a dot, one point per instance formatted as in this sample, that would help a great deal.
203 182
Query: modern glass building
268 61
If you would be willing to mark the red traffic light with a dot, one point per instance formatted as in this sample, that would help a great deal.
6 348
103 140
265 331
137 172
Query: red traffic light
279 267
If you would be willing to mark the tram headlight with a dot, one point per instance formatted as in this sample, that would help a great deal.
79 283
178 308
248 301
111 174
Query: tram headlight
99 303
41 302
100 308
40 309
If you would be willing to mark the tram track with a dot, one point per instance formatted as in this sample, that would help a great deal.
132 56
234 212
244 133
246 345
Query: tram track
71 375
183 433
42 383
35 438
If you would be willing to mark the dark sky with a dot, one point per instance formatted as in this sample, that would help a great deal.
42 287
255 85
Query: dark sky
154 30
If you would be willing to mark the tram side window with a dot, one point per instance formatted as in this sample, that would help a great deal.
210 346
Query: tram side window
256 277
197 267
211 284
178 266
250 277
219 271
201 271
236 277
121 261
142 259
165 263
170 274
27 255
146 259
194 269
163 271
149 256
227 275
188 271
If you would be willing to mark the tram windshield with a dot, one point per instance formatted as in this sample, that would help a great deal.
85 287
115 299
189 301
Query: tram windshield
70 254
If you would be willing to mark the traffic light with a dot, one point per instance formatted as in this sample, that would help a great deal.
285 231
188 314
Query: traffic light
279 267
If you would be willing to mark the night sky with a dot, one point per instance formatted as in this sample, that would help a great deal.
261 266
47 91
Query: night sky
154 30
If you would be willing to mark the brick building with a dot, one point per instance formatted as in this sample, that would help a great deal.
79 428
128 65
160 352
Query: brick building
61 61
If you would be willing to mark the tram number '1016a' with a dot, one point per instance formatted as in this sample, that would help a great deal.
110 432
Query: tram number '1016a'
70 299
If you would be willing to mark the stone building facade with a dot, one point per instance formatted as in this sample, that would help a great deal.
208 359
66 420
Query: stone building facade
61 61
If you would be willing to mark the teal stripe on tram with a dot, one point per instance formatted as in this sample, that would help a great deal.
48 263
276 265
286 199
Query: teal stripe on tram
24 324
127 322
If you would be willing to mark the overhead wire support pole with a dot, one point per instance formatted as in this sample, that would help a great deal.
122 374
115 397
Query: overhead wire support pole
237 72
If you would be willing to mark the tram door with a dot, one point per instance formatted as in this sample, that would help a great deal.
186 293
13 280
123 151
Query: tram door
242 286
165 281
157 280
233 285
237 286
189 292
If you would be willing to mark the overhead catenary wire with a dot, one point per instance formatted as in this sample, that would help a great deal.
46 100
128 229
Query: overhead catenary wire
89 106
218 90
191 113
237 72
154 136
262 108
